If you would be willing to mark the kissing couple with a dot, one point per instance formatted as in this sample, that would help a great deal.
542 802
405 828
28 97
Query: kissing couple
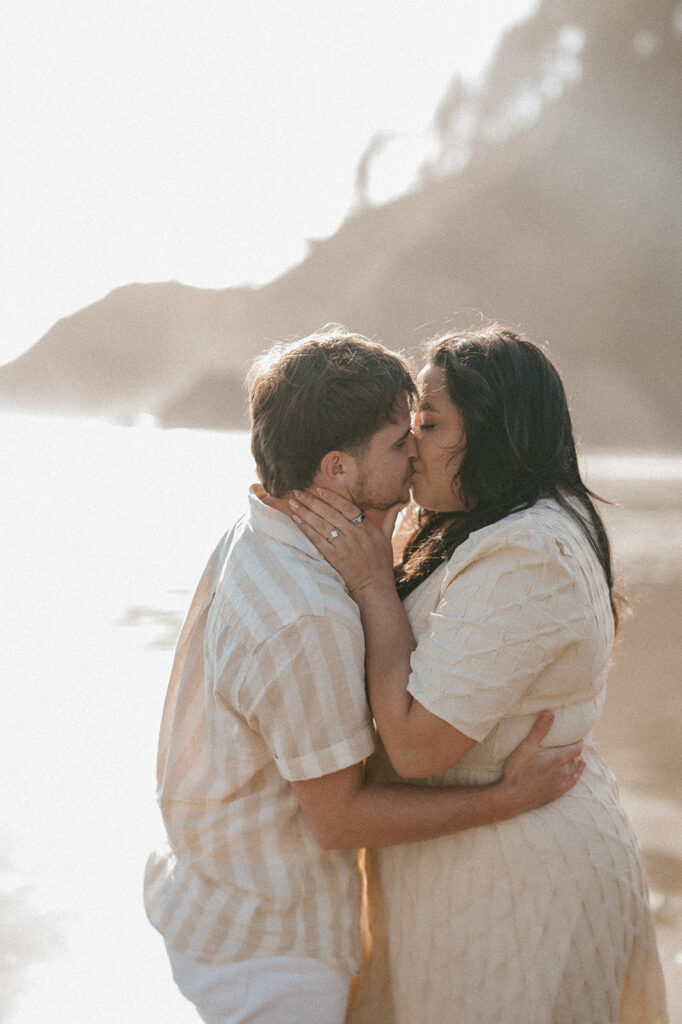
425 692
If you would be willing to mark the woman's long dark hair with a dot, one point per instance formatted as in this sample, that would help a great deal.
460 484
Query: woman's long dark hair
519 448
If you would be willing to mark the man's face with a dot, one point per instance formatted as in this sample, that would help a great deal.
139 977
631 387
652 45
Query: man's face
384 470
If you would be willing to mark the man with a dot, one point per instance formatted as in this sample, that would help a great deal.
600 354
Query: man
266 725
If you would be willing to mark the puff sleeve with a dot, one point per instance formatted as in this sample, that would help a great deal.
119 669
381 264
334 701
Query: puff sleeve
507 610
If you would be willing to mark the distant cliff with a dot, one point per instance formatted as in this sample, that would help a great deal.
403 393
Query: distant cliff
553 204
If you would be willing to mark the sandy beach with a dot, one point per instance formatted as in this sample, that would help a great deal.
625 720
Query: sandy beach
639 735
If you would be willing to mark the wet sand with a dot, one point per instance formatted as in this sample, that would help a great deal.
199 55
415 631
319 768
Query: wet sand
639 734
639 737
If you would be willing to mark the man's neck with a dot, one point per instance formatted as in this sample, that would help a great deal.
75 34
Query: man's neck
375 516
281 504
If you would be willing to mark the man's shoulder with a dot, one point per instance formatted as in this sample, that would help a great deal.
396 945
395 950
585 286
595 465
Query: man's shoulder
264 586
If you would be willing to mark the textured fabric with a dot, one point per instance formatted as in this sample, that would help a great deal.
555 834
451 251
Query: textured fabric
543 919
270 990
517 619
267 687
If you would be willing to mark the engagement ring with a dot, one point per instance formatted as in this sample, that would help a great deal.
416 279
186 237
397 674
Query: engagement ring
333 535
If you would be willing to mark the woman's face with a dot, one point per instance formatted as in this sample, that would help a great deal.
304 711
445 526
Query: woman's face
439 429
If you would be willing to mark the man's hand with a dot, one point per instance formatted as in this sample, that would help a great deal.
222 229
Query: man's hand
534 776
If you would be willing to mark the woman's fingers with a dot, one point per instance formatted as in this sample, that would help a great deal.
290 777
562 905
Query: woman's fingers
320 542
324 509
331 554
347 509
339 547
357 550
323 526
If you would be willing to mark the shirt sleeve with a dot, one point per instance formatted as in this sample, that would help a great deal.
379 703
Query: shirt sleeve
306 698
507 614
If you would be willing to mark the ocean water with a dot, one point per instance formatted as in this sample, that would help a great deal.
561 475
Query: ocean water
104 531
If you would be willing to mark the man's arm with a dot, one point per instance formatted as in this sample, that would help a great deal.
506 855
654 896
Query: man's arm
344 812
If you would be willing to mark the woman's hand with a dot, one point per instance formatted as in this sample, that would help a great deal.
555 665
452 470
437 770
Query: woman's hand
359 551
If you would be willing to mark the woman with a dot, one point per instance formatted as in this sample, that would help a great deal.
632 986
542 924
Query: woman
508 608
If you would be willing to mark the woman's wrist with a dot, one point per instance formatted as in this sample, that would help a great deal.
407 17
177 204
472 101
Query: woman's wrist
373 591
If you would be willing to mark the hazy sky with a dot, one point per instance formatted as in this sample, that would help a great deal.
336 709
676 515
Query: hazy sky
205 140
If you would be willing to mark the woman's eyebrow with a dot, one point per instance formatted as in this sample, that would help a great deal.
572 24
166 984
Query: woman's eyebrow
426 406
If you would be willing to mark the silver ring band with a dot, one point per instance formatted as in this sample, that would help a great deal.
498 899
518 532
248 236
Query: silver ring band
358 519
334 534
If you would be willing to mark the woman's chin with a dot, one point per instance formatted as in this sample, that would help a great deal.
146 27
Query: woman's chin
419 494
433 502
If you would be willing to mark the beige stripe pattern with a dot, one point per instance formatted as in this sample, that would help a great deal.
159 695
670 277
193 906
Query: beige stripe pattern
267 687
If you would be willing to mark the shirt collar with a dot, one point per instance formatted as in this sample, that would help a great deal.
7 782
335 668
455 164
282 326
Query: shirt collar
276 525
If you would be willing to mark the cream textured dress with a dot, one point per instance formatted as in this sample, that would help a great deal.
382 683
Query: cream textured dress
542 919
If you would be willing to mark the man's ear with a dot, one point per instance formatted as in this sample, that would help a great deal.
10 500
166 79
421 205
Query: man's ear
336 470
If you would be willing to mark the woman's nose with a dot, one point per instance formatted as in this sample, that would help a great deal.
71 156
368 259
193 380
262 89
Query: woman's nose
411 446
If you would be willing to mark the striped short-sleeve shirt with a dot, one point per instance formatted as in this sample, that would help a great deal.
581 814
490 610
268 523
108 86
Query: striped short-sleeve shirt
267 687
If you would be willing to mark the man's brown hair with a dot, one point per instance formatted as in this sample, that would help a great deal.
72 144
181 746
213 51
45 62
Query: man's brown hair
328 392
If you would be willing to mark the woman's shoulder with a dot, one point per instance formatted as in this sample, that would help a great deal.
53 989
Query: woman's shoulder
546 530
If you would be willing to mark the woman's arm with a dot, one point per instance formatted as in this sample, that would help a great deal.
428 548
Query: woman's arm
418 743
514 614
